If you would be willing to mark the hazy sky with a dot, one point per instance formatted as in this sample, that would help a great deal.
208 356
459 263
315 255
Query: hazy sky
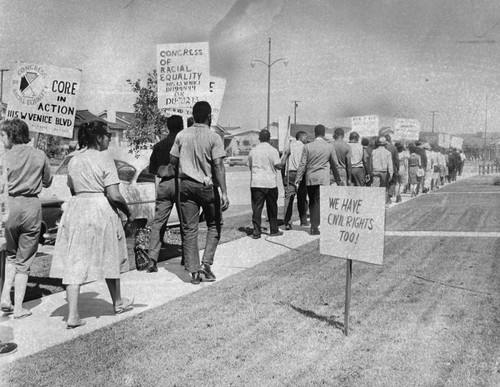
400 58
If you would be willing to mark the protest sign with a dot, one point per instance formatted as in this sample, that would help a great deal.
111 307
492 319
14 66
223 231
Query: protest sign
365 126
183 71
44 97
216 95
283 133
352 223
456 142
4 195
406 129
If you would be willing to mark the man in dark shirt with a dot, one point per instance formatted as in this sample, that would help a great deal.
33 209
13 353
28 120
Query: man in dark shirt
395 166
159 164
343 151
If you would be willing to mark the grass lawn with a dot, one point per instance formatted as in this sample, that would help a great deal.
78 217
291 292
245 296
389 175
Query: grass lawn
280 323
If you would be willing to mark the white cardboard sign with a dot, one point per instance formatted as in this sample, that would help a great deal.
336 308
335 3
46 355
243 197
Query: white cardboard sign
44 97
353 223
365 126
183 71
406 129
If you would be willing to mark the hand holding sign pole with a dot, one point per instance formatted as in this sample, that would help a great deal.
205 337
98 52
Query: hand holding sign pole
352 228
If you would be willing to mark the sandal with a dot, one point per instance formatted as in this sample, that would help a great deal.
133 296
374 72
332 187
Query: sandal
126 303
25 313
7 308
79 323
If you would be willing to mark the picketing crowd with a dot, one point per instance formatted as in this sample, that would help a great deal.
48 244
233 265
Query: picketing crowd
305 166
91 243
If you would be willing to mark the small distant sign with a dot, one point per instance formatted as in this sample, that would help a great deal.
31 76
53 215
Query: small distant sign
406 129
183 71
45 97
456 142
353 223
365 126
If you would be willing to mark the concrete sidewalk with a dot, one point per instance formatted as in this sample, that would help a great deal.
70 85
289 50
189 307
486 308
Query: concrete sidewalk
47 327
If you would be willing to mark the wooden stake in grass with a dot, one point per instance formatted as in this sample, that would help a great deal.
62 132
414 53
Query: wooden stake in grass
347 295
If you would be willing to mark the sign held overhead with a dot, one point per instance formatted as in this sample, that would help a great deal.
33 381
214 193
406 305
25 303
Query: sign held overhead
44 97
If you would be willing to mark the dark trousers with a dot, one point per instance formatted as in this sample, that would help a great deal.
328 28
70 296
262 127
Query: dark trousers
290 191
270 197
358 176
313 194
194 196
165 200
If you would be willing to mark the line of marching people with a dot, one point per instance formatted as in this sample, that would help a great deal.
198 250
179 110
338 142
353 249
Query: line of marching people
305 165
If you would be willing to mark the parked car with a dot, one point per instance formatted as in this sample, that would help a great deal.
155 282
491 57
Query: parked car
237 160
137 185
51 215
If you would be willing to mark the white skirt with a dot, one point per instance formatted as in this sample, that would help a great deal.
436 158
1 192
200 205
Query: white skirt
90 242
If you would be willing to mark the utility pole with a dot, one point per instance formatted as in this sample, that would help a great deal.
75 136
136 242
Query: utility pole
485 127
295 106
1 83
433 114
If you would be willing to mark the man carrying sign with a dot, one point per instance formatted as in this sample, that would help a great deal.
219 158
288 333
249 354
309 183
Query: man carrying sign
318 158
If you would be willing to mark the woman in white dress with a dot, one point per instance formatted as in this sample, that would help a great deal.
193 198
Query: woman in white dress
90 242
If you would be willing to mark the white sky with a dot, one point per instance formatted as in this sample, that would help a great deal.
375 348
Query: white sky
399 58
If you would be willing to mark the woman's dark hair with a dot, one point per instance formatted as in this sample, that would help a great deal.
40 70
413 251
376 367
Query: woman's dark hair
89 131
16 130
365 141
412 148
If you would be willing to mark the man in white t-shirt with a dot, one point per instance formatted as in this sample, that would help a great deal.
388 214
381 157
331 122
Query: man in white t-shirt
264 162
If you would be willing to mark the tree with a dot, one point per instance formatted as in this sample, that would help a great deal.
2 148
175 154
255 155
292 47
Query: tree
149 122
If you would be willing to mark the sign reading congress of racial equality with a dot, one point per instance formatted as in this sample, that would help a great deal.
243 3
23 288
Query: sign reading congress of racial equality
365 126
352 223
406 129
44 97
183 71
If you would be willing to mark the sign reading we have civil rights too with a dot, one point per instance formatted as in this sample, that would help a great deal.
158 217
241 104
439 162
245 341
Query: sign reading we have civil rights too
353 223
183 71
45 97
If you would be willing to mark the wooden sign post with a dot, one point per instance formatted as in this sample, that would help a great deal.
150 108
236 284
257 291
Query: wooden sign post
352 228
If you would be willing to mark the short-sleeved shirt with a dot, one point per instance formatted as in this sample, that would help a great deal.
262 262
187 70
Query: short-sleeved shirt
262 161
28 169
357 155
296 149
197 147
91 171
343 151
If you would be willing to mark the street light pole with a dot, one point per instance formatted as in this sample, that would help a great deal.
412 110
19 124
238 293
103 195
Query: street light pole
269 86
269 64
433 114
